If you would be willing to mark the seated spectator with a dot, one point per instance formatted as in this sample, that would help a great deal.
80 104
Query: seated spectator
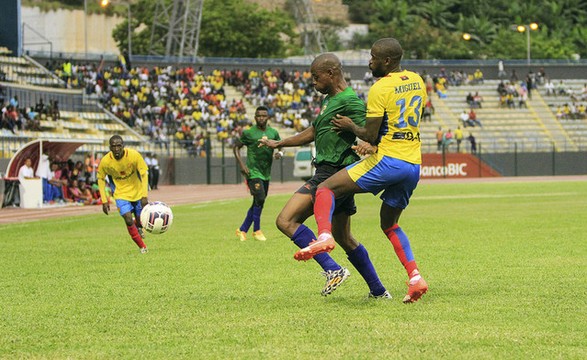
561 88
428 110
478 76
55 184
549 87
447 139
469 99
472 119
477 100
464 118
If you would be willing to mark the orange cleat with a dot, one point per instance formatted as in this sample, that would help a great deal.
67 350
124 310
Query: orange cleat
325 243
415 291
241 235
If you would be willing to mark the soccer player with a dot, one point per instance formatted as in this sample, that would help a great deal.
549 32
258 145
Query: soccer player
394 109
333 152
257 170
127 172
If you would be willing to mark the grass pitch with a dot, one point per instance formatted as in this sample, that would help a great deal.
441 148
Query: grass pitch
506 264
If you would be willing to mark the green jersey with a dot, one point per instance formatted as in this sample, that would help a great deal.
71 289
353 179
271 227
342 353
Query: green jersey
332 148
259 159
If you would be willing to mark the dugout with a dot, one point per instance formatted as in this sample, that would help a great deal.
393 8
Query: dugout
30 194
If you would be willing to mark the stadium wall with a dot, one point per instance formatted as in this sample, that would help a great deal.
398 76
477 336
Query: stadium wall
185 171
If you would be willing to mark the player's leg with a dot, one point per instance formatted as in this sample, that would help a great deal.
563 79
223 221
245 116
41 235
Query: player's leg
137 209
259 196
357 254
395 198
241 232
335 186
126 211
290 222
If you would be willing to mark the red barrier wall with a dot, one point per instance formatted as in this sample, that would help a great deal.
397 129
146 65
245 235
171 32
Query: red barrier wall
454 166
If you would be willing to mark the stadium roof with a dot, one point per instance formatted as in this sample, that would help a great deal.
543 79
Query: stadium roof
56 149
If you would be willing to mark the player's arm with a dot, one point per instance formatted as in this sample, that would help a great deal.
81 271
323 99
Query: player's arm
236 149
102 187
143 171
303 138
368 133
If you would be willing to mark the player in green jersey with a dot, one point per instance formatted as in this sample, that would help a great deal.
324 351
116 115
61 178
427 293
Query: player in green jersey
333 152
257 170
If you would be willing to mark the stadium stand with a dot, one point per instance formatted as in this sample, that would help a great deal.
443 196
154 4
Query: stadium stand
181 106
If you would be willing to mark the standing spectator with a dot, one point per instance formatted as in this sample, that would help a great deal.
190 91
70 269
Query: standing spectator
439 138
458 138
396 150
154 172
473 142
44 172
257 170
333 152
149 163
501 74
129 175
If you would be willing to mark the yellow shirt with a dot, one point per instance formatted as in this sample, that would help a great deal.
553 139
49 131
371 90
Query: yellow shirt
399 98
128 174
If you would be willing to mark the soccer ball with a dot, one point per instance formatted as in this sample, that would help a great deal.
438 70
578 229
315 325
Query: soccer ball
156 217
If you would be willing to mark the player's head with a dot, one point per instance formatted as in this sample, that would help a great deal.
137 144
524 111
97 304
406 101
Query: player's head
326 70
117 146
261 116
386 55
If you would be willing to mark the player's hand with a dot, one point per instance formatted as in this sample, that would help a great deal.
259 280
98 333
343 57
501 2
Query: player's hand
342 123
267 142
278 155
245 171
106 208
364 148
144 201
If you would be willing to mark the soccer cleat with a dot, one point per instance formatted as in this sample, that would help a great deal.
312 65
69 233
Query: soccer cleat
415 290
325 243
385 295
144 250
258 235
334 278
242 236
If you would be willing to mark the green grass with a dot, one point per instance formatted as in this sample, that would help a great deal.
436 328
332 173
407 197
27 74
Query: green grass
506 264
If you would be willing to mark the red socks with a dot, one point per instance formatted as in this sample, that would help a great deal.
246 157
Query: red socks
402 248
136 237
323 209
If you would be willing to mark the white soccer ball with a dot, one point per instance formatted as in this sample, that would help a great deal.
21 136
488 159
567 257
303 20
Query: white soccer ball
156 217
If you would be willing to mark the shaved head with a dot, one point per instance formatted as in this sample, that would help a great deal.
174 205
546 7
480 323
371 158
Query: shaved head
327 74
328 61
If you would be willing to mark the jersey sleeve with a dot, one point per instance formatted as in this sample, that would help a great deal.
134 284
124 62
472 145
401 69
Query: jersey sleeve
357 111
376 102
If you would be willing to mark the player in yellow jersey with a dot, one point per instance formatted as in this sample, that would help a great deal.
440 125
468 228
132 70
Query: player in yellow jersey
127 172
394 110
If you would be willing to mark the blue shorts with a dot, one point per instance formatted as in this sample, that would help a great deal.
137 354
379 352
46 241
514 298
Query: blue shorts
125 206
396 178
